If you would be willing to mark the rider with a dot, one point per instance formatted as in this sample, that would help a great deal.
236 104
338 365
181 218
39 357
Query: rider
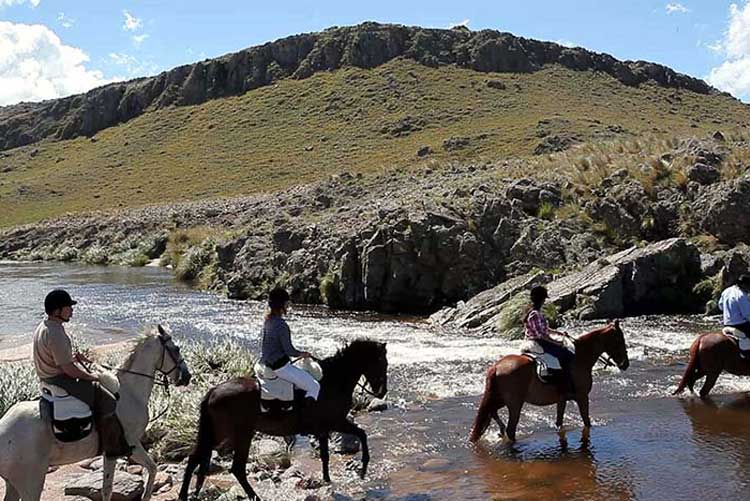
277 349
56 364
735 305
537 330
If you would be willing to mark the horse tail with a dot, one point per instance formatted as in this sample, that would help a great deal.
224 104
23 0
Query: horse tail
200 457
486 408
688 378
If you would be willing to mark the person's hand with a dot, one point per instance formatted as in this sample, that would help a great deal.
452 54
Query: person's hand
82 359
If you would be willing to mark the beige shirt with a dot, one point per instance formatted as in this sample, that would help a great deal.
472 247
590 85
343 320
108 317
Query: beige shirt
52 349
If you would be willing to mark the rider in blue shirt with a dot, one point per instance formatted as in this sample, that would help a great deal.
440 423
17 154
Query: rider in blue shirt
735 305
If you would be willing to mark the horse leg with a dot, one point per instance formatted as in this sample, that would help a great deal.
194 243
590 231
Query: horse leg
499 422
32 483
487 410
108 477
11 494
325 455
560 413
141 457
351 428
239 465
514 414
192 464
583 408
708 385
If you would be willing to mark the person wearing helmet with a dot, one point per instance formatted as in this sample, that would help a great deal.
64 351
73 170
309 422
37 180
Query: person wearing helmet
537 329
735 307
277 349
56 364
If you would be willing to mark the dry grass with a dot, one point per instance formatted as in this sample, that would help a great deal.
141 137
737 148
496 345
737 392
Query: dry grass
302 131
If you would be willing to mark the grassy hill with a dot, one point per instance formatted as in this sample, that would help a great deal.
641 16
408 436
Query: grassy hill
351 119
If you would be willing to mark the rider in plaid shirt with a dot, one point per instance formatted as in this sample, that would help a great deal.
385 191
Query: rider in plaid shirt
537 329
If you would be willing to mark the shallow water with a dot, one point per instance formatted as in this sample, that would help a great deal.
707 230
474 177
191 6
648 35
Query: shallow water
644 444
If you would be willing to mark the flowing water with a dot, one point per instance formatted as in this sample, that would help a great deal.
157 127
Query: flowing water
644 443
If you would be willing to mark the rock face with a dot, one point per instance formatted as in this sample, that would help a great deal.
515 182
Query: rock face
724 210
658 278
366 46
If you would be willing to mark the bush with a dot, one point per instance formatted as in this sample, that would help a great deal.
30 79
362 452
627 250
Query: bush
18 382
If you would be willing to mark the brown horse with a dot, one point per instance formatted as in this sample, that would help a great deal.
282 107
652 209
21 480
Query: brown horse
711 354
512 381
230 413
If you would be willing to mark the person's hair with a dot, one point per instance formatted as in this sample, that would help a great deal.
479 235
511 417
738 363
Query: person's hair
537 295
744 281
277 298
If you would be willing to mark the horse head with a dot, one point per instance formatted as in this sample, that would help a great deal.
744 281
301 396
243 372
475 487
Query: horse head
375 367
171 364
614 345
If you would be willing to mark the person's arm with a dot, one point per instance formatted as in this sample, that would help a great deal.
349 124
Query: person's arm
72 370
286 341
744 305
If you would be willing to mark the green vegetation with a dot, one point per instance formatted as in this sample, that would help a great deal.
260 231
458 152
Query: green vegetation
359 120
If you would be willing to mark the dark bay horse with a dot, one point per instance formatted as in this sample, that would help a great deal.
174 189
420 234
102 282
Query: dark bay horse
710 354
230 413
512 381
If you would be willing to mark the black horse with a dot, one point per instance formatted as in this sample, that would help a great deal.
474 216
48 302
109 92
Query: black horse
230 413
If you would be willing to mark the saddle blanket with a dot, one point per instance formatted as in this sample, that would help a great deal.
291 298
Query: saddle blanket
64 405
272 387
739 337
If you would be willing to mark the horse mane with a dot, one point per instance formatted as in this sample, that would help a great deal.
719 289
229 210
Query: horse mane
130 360
595 332
356 345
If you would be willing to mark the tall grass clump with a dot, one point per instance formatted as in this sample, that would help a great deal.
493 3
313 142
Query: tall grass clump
172 436
18 382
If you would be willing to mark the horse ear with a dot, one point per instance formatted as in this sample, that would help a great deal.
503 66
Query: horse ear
617 323
162 332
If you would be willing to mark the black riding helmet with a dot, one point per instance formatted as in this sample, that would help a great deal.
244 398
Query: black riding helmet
277 298
57 299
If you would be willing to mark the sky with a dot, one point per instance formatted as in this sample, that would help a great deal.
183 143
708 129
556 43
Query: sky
54 48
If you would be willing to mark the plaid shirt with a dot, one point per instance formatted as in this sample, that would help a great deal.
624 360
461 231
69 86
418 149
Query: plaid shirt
536 326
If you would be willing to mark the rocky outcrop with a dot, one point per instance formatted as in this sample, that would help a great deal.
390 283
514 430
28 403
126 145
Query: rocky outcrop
366 46
724 210
658 278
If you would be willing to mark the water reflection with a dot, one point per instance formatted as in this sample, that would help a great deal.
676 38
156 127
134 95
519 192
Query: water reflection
562 467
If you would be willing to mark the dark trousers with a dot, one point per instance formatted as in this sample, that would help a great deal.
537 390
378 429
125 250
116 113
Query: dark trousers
103 404
566 358
745 328
101 401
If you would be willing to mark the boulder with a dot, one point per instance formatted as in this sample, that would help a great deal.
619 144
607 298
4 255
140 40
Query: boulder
126 487
722 210
703 174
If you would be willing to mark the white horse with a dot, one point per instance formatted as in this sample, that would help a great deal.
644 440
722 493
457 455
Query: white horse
28 447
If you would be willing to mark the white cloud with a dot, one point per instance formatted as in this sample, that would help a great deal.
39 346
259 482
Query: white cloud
133 66
733 75
676 7
9 3
566 43
464 23
132 23
139 39
65 21
36 65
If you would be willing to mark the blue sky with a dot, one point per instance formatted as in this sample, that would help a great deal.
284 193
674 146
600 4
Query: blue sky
78 44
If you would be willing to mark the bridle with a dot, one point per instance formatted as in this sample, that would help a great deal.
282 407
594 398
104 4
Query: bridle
164 383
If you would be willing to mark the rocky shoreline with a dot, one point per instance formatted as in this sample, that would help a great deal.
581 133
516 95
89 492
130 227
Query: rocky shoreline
420 240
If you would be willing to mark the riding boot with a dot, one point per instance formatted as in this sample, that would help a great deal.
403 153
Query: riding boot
112 437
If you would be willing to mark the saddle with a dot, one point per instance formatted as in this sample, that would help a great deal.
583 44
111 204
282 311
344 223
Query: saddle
739 337
548 368
276 394
70 418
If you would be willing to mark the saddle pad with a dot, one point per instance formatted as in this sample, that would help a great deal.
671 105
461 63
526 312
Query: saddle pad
739 337
64 406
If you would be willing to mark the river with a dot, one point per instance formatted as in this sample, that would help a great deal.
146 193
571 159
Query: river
644 444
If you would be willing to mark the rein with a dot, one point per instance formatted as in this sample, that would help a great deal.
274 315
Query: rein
603 358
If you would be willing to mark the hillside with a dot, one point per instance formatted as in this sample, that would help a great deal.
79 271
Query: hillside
299 130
